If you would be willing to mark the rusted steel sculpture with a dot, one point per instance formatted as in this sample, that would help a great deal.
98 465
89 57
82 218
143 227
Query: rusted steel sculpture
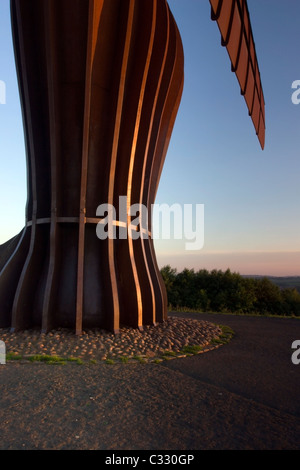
100 84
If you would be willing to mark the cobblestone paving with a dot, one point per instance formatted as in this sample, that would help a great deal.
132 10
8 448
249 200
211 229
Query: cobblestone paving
173 338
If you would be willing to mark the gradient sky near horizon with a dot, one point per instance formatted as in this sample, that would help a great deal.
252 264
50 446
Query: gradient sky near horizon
251 197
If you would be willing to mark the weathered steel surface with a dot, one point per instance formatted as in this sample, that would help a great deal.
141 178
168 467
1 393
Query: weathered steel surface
100 85
233 20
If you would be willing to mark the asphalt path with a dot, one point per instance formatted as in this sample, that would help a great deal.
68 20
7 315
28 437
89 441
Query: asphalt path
242 396
256 364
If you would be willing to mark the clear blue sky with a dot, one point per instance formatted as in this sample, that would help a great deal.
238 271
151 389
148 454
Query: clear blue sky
251 197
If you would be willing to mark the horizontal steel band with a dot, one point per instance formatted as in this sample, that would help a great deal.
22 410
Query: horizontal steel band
89 220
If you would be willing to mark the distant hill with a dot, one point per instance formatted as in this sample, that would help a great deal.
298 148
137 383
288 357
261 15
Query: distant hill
284 282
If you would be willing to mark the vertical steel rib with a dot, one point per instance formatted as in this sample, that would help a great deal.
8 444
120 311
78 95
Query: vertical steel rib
155 284
131 165
47 320
113 163
18 317
84 168
173 80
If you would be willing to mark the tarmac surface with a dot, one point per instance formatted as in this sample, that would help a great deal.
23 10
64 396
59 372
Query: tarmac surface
242 396
256 364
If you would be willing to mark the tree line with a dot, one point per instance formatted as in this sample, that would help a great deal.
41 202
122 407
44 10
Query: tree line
226 291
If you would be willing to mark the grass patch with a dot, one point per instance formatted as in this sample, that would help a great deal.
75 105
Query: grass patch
124 359
237 313
167 355
170 353
140 359
109 361
190 349
77 360
47 359
225 336
13 356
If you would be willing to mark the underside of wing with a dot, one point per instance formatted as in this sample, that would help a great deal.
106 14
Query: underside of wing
232 17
